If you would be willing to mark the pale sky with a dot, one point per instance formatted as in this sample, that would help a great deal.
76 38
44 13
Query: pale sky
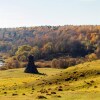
19 13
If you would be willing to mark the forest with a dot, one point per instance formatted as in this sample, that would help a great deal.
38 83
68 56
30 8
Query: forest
50 42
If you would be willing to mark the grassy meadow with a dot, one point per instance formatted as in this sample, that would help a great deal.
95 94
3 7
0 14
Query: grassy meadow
80 82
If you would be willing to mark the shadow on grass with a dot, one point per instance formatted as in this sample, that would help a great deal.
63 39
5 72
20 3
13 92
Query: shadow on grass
38 73
41 73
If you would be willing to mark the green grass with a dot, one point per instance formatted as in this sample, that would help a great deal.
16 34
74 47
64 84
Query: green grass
80 82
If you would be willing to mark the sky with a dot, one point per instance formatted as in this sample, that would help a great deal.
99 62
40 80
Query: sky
26 13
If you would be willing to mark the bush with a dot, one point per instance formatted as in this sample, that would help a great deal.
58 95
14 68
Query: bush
98 52
43 64
63 63
91 56
59 63
72 62
3 68
12 63
23 64
54 63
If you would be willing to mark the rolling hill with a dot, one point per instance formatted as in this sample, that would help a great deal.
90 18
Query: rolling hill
80 82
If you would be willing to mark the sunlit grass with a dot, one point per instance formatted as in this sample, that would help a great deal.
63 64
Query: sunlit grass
80 82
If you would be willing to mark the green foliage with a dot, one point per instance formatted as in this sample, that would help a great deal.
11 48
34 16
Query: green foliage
23 52
36 52
26 48
48 48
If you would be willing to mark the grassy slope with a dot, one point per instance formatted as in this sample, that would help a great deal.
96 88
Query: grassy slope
81 82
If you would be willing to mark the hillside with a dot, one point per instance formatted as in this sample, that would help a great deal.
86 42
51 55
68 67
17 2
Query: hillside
80 82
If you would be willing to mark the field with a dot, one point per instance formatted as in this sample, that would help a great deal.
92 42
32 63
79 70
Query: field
80 82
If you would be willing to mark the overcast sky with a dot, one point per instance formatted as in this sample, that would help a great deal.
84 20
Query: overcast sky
18 13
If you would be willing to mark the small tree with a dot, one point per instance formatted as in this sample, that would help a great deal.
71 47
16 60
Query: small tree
23 52
48 48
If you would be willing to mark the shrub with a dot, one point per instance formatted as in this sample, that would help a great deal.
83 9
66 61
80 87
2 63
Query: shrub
23 64
71 62
54 63
64 63
92 56
43 64
3 68
98 52
12 63
59 63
